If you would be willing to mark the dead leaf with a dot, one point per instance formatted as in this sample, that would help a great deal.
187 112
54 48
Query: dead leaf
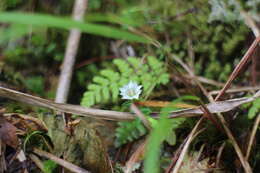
154 103
8 133
25 123
136 157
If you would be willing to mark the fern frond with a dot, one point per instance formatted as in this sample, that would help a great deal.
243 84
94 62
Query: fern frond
105 87
129 131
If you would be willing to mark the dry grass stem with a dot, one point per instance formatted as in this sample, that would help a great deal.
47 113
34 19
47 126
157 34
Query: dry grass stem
79 9
250 23
140 115
234 90
60 161
241 157
186 146
220 153
37 162
239 67
252 136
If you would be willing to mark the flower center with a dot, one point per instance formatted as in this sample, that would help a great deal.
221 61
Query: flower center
131 92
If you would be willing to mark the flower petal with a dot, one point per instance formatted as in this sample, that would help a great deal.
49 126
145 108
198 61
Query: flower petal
130 91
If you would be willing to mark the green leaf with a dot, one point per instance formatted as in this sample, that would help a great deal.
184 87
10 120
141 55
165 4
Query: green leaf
171 138
66 23
162 130
111 75
49 166
29 136
188 97
152 121
111 18
105 92
136 63
98 95
101 80
129 131
35 84
88 99
110 81
13 32
252 112
254 109
158 135
115 91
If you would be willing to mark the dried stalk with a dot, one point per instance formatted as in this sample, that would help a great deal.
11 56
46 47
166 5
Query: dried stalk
238 68
252 136
234 74
241 157
250 23
254 28
79 9
139 114
216 107
220 151
186 146
64 163
37 162
234 90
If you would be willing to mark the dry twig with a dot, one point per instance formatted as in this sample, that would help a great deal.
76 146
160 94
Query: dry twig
238 68
234 74
192 135
79 9
216 107
139 114
234 90
60 161
136 156
252 136
37 162
220 153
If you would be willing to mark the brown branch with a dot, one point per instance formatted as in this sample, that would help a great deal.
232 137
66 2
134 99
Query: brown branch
238 68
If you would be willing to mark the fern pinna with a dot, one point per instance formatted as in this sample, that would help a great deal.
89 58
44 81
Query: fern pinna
129 131
105 87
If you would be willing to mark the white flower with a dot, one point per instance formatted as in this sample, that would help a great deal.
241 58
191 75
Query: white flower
131 91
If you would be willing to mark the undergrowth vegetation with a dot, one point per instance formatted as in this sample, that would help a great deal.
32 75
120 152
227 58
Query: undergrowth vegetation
149 72
176 52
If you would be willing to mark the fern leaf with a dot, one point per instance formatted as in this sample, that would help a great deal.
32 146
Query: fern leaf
134 62
88 99
100 80
111 75
122 66
154 63
105 93
115 91
105 87
129 131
